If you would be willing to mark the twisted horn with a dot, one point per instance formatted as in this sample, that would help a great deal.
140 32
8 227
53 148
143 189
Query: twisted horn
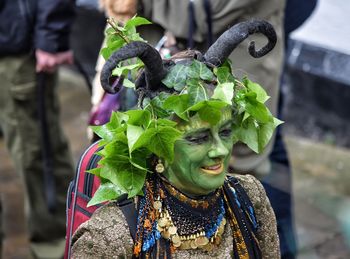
229 40
154 69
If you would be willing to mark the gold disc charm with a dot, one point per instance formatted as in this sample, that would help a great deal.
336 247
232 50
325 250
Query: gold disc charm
172 230
159 228
202 241
185 245
157 205
162 222
193 244
160 167
176 240
165 234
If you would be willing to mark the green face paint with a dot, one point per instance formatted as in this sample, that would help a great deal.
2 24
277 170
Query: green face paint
202 155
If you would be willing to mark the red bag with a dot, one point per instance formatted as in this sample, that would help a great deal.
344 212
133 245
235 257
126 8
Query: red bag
80 192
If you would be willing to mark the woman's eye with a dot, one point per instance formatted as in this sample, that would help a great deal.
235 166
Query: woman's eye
225 133
197 139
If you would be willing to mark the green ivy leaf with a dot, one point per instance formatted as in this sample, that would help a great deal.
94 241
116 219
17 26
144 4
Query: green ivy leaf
209 111
257 109
139 117
133 179
135 36
155 106
105 192
247 133
261 94
111 168
139 157
118 71
213 103
144 139
110 129
116 45
109 31
196 91
227 63
223 75
133 133
200 70
176 78
106 53
266 131
224 92
117 157
178 104
210 114
115 42
95 171
164 122
254 134
136 21
160 141
127 83
120 171
119 116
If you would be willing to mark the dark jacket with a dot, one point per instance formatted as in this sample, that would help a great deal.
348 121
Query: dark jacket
35 24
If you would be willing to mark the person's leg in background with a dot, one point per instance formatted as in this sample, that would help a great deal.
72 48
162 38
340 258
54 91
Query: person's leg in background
19 118
1 227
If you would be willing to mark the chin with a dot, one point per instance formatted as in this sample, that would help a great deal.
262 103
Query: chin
215 184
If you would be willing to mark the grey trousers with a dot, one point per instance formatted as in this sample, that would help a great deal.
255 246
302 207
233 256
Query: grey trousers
19 123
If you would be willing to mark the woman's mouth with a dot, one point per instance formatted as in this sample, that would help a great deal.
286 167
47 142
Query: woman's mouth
213 169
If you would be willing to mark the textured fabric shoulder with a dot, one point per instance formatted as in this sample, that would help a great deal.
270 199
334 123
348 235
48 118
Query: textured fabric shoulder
105 235
267 232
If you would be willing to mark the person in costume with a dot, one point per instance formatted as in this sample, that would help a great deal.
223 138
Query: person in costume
182 24
171 157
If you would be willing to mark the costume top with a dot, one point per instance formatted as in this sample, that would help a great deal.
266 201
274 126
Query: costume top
106 234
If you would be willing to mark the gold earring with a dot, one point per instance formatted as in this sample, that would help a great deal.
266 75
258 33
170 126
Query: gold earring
159 167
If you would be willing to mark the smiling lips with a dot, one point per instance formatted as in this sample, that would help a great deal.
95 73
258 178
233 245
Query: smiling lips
213 169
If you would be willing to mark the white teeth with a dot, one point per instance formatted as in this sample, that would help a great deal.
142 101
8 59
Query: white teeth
213 167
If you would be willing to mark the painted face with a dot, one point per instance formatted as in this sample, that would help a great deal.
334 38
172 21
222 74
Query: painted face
202 155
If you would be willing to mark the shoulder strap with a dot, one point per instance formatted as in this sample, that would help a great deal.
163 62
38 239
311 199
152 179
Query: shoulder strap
244 200
127 206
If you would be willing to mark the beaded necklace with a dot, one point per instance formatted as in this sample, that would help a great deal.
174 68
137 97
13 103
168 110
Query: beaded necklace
169 220
190 223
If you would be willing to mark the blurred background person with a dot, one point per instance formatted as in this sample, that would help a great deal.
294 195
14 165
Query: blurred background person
34 38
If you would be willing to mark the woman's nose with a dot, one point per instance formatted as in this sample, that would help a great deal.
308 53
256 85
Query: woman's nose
218 149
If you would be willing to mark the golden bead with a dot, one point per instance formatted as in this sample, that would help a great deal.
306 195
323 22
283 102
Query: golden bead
172 230
193 244
157 205
160 168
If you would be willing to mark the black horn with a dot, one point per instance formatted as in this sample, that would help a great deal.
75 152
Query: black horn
154 69
229 40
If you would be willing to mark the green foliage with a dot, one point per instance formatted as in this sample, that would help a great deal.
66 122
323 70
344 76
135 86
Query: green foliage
118 36
105 192
131 138
254 123
176 78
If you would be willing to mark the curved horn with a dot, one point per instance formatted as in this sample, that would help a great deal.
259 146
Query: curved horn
229 40
154 69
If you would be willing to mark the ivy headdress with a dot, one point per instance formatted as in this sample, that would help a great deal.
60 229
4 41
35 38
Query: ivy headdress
171 90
